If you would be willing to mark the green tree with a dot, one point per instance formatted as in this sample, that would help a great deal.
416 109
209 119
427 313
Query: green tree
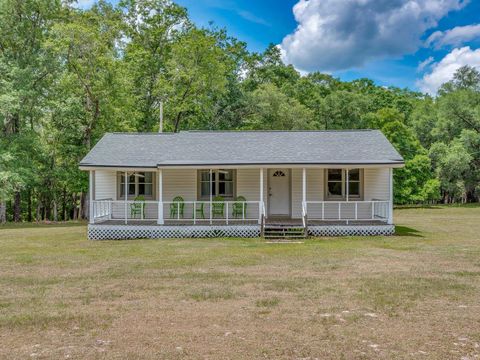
465 78
151 27
26 72
414 183
269 109
424 121
343 110
196 75
10 182
452 165
268 68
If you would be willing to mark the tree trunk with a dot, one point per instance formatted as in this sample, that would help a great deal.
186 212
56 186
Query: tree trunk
64 205
75 208
3 212
48 209
29 205
177 121
16 207
38 216
80 207
55 212
83 205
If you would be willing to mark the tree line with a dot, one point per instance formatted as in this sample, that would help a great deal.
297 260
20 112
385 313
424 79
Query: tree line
69 75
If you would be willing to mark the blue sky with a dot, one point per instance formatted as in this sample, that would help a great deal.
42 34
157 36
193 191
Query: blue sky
411 23
406 43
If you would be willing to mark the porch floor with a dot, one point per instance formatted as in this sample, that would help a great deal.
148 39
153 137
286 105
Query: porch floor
218 222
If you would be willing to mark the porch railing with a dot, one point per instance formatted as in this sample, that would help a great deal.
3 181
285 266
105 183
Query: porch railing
348 210
231 212
102 209
212 212
187 212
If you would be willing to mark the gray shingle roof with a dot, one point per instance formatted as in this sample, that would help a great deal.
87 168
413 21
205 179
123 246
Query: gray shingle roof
242 148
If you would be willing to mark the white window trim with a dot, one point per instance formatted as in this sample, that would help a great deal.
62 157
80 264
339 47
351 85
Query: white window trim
343 197
121 186
217 180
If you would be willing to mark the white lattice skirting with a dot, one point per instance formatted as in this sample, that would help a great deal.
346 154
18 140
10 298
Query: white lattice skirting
118 232
351 230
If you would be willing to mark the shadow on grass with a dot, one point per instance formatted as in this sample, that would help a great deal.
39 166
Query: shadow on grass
42 224
407 231
407 207
436 206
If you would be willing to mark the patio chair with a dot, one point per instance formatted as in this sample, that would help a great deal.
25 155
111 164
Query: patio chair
199 210
239 207
218 206
137 207
176 207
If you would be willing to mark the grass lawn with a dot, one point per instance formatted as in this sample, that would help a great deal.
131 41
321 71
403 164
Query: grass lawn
411 296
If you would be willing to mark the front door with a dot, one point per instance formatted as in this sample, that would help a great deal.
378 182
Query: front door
279 192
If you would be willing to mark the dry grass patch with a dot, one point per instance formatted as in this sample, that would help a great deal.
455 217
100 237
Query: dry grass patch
212 293
268 302
409 296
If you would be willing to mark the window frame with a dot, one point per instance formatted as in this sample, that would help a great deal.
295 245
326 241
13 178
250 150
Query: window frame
343 197
217 187
120 186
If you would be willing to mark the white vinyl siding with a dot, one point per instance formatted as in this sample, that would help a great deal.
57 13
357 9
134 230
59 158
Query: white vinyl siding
179 182
105 184
248 186
183 182
314 190
376 184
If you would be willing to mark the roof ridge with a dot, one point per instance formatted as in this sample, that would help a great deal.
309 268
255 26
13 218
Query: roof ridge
275 131
239 131
138 133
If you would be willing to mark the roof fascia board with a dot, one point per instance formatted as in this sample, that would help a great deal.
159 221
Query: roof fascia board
115 167
244 166
282 165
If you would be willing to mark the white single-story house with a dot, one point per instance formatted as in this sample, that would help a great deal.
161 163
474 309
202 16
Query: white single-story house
241 184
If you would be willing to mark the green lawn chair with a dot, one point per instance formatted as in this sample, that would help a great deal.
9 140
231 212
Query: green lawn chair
199 210
177 207
137 207
218 206
239 208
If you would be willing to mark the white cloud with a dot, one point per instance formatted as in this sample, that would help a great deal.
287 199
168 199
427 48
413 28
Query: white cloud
455 37
341 34
425 63
247 15
443 70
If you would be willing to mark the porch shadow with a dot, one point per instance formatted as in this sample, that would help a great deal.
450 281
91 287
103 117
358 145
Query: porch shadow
406 231
408 207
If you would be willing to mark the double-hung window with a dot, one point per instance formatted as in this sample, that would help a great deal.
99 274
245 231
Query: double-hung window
336 184
223 183
139 184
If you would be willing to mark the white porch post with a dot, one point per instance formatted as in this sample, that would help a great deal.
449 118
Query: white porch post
304 186
126 196
211 196
390 210
160 220
91 215
304 195
347 190
260 203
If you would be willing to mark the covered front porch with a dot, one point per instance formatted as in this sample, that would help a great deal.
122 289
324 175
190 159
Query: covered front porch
239 202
